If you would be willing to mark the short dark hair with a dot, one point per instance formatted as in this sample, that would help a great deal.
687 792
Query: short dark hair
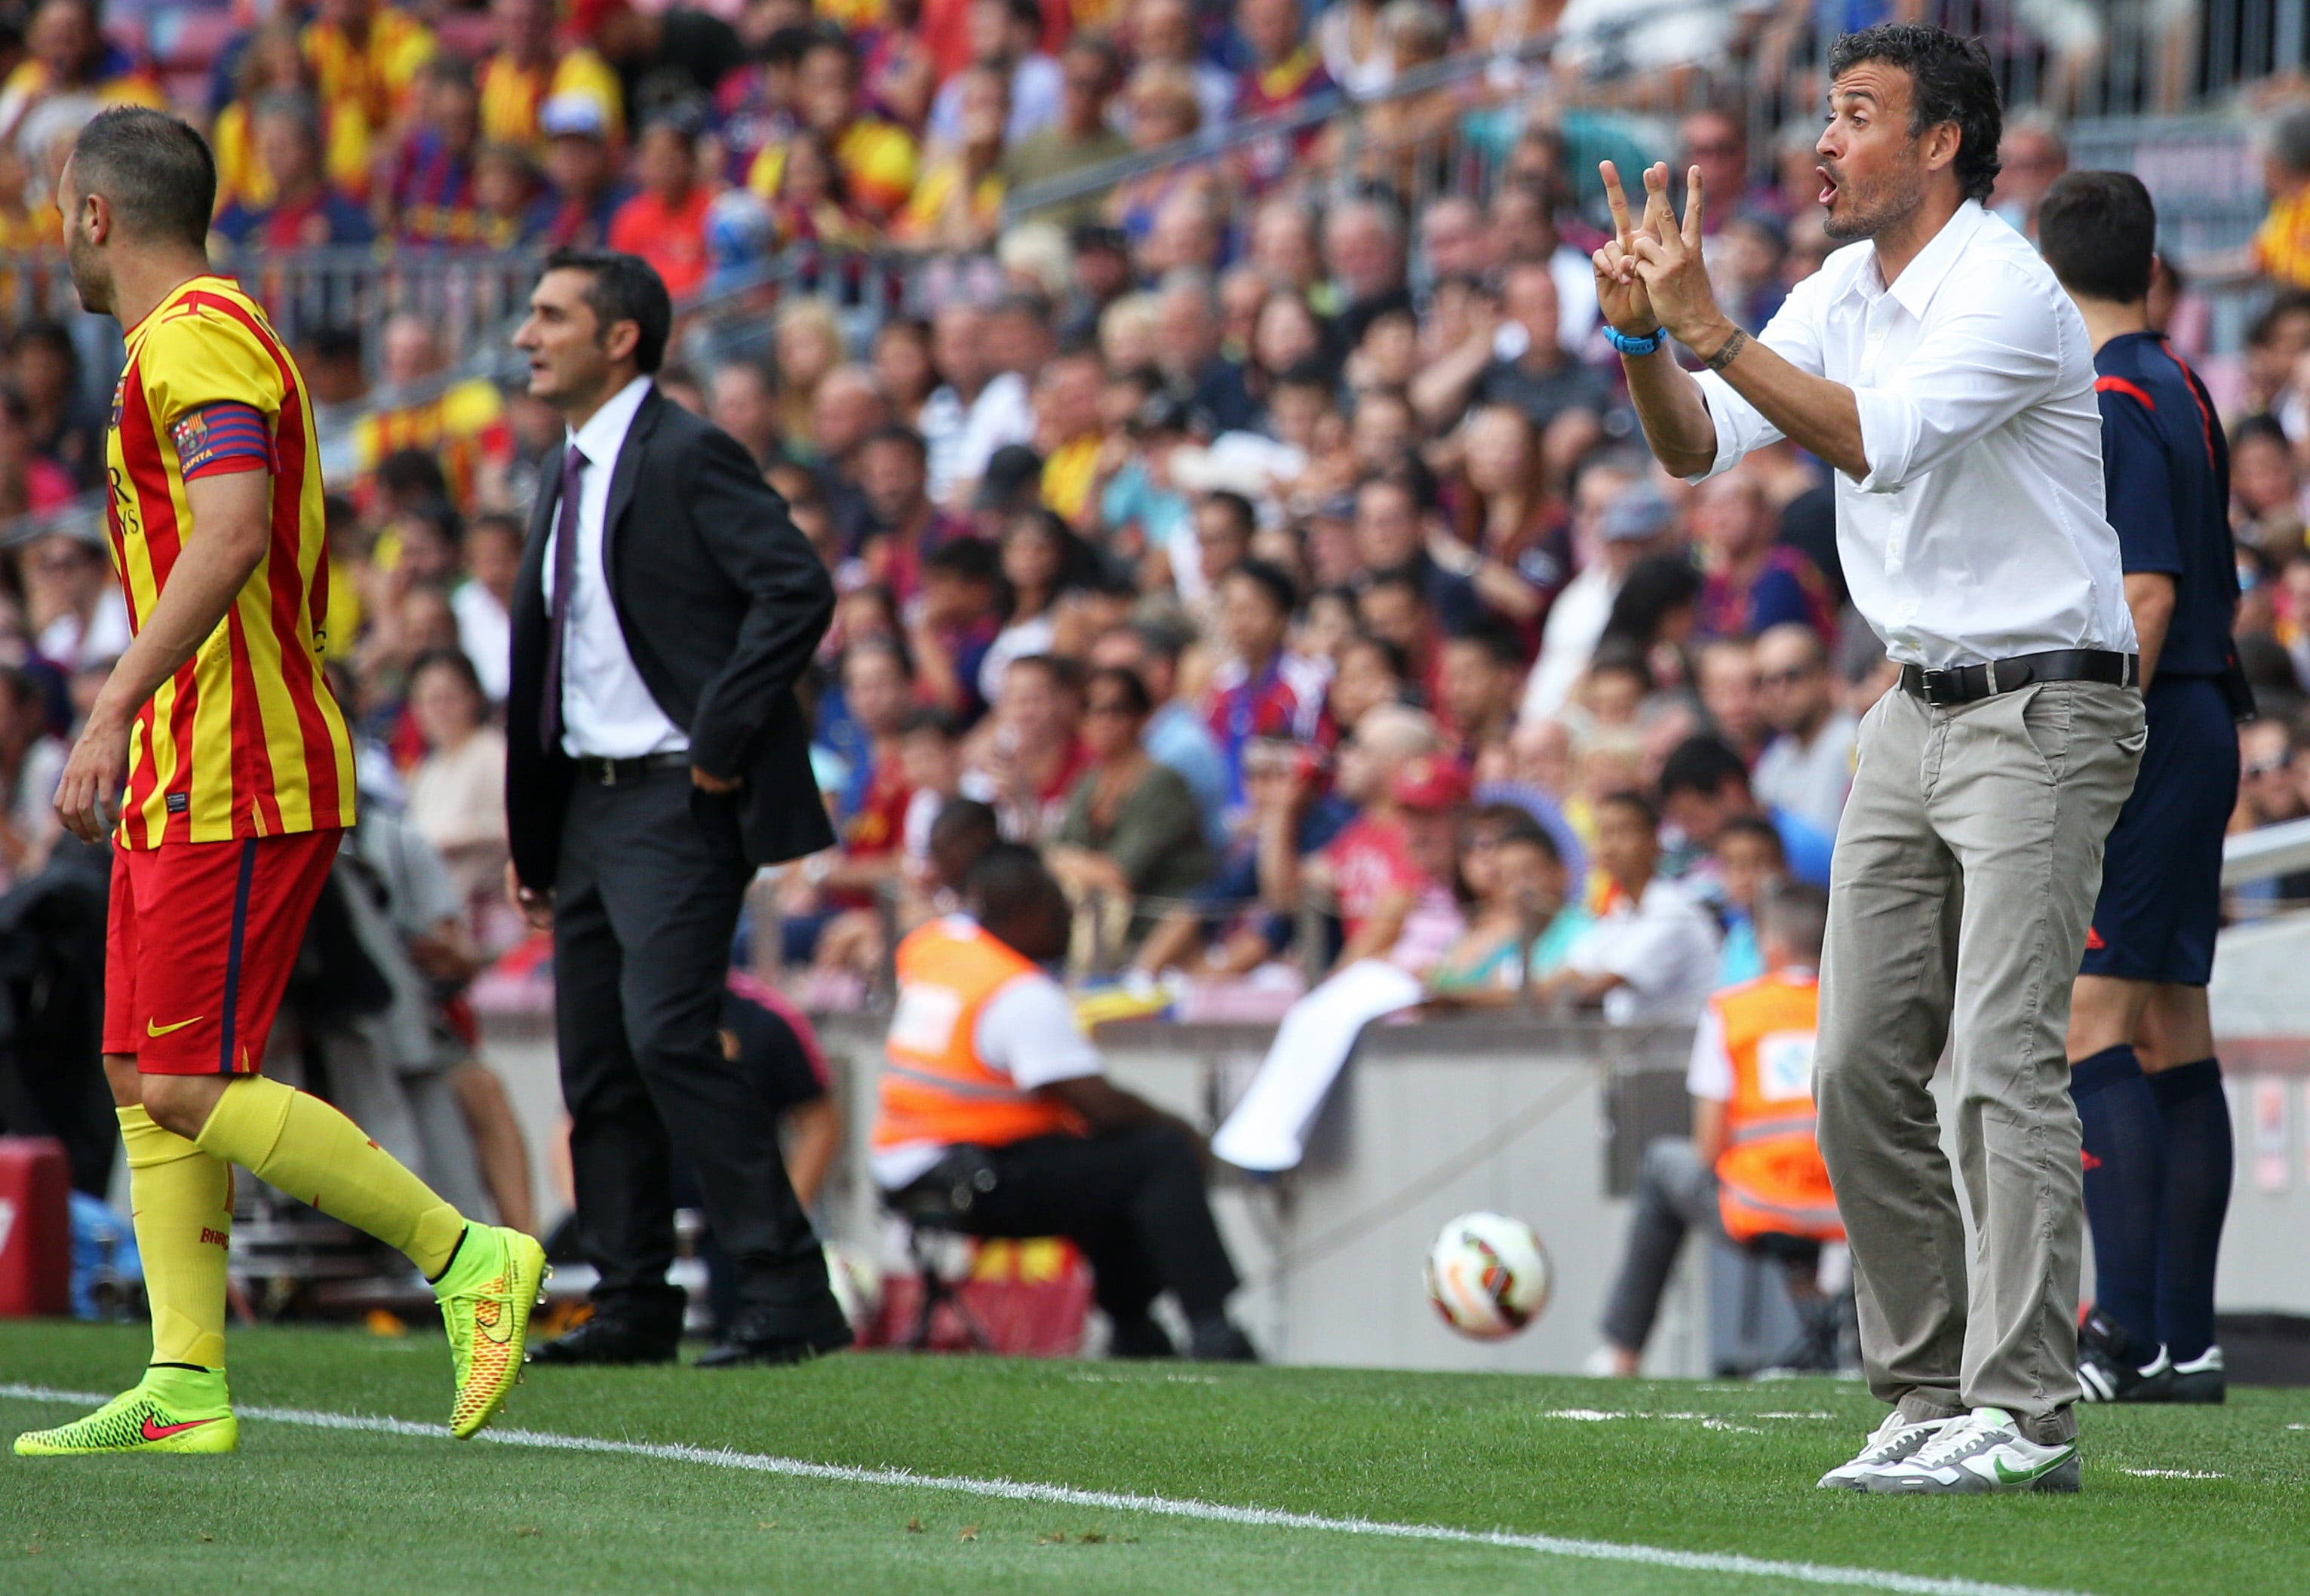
1062 673
900 433
1636 802
156 172
1700 764
1516 826
1759 828
1950 81
623 287
1238 509
965 559
455 662
2098 231
1498 639
1796 915
1008 880
412 474
1128 683
1271 580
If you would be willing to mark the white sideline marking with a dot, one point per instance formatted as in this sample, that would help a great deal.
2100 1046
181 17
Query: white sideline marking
2174 1474
1059 1495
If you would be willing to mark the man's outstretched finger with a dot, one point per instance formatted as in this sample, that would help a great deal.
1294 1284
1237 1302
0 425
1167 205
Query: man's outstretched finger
1692 209
1660 216
1616 198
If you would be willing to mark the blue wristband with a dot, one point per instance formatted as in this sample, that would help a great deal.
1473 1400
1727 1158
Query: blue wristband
1649 344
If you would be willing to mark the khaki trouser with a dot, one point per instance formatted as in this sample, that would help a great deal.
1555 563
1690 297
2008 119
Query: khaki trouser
1965 869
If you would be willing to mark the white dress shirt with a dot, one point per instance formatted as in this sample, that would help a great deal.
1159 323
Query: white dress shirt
1978 532
1663 949
607 712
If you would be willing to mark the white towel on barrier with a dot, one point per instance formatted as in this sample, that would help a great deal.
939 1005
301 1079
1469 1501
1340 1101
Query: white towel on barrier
1266 1131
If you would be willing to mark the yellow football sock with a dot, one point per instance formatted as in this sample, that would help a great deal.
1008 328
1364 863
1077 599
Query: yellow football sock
317 1155
181 1199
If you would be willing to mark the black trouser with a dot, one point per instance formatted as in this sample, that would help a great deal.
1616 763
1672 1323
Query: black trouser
645 908
1133 1201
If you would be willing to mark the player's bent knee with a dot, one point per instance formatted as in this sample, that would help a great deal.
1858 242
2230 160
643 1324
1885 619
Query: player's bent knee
182 1103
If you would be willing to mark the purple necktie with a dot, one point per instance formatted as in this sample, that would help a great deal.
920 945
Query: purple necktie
565 583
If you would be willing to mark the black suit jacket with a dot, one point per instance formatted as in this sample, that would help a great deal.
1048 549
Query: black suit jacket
722 603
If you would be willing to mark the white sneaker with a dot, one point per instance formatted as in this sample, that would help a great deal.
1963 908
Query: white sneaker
1894 1441
1984 1451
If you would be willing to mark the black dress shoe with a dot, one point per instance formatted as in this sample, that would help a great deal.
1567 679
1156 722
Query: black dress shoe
607 1341
757 1339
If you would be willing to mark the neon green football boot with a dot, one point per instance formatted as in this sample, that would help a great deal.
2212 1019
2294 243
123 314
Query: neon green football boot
170 1410
485 1295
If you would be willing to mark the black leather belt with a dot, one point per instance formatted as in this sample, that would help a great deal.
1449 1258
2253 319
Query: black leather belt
1963 684
619 773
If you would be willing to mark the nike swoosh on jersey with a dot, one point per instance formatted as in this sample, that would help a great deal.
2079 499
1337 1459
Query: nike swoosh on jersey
153 1028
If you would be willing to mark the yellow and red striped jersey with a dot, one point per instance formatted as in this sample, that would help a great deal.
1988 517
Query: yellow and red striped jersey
246 739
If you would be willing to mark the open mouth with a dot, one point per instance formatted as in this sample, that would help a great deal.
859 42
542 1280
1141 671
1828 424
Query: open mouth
1827 186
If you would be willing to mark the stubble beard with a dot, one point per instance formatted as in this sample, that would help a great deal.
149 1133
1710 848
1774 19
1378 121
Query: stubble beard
1878 207
91 281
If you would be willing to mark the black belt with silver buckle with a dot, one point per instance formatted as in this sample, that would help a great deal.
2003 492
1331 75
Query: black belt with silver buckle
1963 684
619 773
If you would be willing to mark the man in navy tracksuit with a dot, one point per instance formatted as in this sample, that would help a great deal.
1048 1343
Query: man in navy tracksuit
2157 1150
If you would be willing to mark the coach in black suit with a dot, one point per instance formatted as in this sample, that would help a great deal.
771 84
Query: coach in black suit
666 606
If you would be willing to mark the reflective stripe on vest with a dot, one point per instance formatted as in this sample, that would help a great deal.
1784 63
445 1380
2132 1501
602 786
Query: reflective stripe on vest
1770 1178
935 1086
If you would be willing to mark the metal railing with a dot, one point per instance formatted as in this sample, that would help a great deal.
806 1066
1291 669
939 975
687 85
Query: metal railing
2263 854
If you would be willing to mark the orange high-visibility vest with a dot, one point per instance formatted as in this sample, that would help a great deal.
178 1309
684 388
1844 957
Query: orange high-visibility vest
934 1086
1769 1178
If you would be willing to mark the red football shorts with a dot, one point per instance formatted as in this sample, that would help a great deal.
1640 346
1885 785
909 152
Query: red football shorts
199 944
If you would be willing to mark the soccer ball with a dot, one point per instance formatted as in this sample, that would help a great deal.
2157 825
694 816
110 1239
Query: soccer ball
1487 1275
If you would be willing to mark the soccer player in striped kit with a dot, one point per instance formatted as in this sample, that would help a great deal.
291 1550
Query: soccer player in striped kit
238 779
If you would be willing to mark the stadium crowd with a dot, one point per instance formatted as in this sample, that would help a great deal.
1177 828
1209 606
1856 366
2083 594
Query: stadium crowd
1265 538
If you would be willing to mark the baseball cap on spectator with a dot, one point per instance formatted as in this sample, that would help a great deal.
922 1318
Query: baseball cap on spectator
575 114
1013 479
1640 514
1430 782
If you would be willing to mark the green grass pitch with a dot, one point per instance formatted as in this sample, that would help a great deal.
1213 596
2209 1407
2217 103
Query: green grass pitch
1710 1468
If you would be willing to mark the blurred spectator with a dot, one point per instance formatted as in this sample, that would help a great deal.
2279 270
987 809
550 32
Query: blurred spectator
457 792
1080 135
73 606
44 371
1285 73
302 210
493 560
1030 752
1132 828
1521 920
1263 691
1651 955
2030 155
956 205
1175 736
1005 45
582 170
979 408
661 57
666 222
1724 675
528 70
877 159
742 399
69 72
1393 902
1164 33
1042 560
274 63
905 526
1653 617
1753 582
1478 680
1806 768
2281 245
1617 520
429 192
31 763
2266 508
1705 785
365 58
1747 857
31 483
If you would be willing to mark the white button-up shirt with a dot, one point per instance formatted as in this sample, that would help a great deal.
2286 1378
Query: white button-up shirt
1978 533
607 712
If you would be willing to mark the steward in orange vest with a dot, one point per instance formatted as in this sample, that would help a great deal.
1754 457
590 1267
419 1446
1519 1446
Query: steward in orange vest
996 1117
1769 1176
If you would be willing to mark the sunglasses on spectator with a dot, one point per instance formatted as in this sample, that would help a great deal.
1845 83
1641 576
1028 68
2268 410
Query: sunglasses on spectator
1109 707
1788 678
2264 767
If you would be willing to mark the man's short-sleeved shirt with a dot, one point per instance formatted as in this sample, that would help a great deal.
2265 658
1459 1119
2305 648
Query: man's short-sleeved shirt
246 739
1662 946
2168 466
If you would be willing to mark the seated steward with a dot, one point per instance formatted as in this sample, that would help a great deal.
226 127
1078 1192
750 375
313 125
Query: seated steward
992 1099
1752 1168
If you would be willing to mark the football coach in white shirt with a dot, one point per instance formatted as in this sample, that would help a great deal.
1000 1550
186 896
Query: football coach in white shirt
1936 364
